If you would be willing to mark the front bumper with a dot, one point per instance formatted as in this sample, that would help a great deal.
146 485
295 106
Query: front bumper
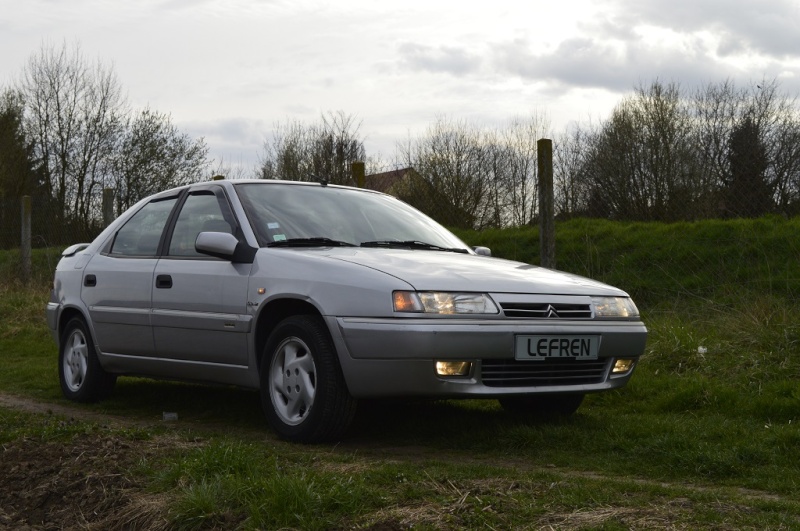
396 357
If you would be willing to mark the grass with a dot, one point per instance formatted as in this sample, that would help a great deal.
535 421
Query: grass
695 263
705 436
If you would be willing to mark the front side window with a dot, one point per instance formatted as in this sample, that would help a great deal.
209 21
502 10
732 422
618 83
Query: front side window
202 212
141 234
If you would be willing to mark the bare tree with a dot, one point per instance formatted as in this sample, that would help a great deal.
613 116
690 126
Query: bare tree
153 155
498 163
454 187
716 108
73 114
641 162
301 152
720 110
776 118
521 137
570 183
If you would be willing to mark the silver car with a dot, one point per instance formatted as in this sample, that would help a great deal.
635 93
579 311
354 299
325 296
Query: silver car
323 295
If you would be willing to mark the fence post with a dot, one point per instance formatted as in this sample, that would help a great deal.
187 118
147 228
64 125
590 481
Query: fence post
358 173
4 236
547 229
108 206
25 243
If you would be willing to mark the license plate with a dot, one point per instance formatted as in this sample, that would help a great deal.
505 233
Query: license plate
549 347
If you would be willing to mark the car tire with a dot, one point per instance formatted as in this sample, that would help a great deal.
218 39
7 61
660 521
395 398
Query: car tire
542 407
303 392
80 373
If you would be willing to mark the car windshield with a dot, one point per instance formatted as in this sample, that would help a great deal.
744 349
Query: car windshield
306 215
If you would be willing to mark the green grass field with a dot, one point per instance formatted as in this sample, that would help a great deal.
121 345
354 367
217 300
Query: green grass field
705 436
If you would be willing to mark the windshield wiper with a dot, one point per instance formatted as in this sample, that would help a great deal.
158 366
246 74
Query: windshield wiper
412 244
310 242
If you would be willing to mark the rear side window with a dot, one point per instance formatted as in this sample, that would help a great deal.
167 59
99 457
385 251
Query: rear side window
141 234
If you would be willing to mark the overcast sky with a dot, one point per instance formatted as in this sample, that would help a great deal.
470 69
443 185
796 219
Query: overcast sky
230 70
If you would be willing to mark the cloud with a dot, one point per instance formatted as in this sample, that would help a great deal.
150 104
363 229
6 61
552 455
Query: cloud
764 27
579 62
233 141
629 42
443 59
614 64
399 65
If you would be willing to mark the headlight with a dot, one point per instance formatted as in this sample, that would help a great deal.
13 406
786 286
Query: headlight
614 307
445 303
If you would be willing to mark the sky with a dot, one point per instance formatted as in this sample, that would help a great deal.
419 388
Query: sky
231 71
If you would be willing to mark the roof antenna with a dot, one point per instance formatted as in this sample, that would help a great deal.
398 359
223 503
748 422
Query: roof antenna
323 181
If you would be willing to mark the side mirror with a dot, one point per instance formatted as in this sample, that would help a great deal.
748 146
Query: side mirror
482 251
219 244
225 246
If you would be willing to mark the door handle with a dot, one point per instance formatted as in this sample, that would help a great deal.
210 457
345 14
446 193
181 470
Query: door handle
163 281
90 281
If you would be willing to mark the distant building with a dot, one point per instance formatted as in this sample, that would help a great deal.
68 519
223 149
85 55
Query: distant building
408 185
395 182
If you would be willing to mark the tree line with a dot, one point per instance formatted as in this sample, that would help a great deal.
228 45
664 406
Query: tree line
665 153
669 154
66 132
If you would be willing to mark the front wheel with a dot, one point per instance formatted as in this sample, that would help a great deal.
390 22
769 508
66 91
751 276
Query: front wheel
303 393
81 376
542 407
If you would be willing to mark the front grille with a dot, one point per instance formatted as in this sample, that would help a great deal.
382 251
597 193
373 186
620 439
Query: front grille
544 310
514 373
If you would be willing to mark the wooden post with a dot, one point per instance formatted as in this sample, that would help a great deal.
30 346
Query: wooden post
547 229
25 243
10 237
358 173
108 206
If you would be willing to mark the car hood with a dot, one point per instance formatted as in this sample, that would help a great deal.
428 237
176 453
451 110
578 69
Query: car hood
444 271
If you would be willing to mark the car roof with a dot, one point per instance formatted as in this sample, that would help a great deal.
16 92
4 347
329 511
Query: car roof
230 183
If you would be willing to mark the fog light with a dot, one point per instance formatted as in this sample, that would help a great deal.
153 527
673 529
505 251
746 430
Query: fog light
623 365
453 368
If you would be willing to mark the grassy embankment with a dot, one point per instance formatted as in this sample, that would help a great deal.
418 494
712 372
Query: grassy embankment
701 438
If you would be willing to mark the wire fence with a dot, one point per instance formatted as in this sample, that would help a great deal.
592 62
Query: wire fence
49 226
583 249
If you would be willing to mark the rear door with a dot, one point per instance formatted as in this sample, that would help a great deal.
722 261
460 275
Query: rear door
199 309
118 282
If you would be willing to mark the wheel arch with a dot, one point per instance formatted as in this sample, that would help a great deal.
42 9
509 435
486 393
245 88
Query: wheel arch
273 313
67 314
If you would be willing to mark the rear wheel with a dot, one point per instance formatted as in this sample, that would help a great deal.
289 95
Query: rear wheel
303 393
542 407
81 376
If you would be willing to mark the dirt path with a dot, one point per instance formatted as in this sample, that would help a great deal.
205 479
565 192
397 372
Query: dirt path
30 405
81 485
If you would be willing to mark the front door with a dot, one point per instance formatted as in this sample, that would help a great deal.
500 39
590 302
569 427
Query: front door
199 308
